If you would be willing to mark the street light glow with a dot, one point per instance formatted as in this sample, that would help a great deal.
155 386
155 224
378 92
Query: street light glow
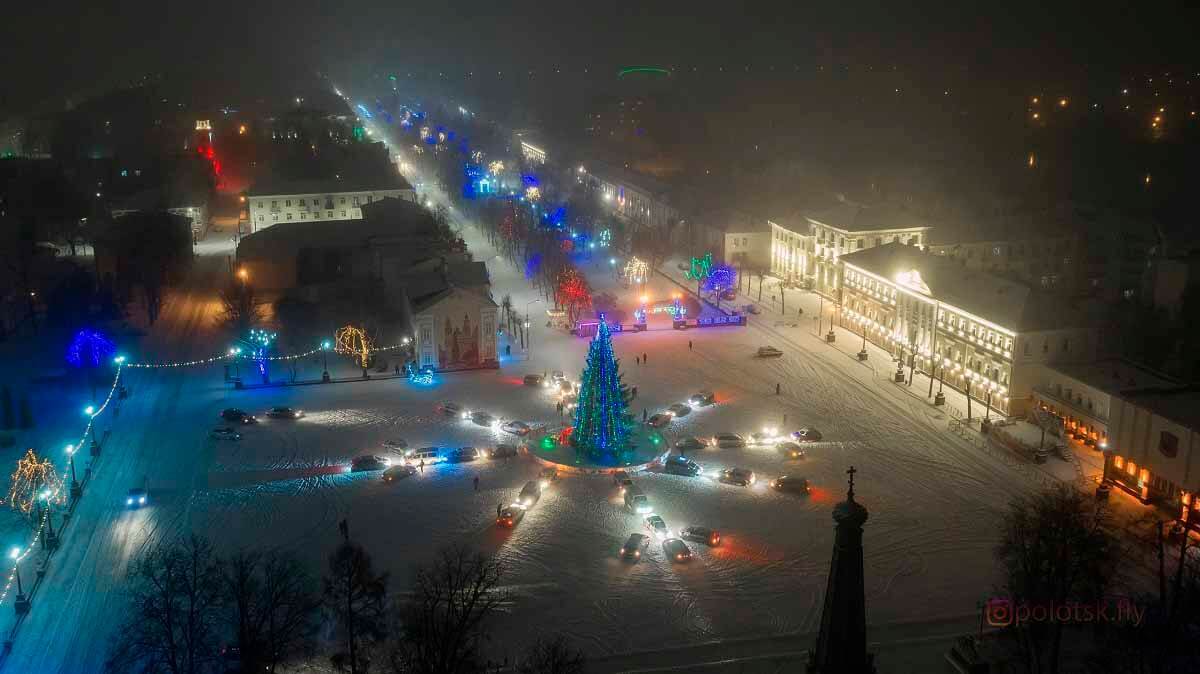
89 410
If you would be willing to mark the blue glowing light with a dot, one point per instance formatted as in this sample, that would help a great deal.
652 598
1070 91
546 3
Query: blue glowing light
89 348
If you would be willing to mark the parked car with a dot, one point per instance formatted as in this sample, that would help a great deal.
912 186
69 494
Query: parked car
136 498
395 443
791 450
676 550
807 435
679 410
690 444
367 462
463 455
729 441
656 526
426 454
226 434
768 352
619 477
395 473
635 546
548 475
238 416
511 515
790 483
483 419
681 465
534 380
502 451
557 376
515 427
284 413
738 476
765 436
702 399
531 493
450 409
709 537
637 501
729 294
659 420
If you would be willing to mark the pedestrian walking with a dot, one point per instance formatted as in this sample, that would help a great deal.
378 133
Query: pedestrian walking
689 345
422 465
776 388
785 420
397 369
498 505
644 413
644 358
508 349
476 483
637 360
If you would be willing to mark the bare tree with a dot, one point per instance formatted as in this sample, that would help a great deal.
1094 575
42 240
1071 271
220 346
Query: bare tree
552 657
1055 548
241 308
272 608
175 601
443 623
355 600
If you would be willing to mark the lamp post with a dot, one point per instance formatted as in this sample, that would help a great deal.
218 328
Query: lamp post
76 489
49 538
325 361
528 344
22 602
968 388
987 406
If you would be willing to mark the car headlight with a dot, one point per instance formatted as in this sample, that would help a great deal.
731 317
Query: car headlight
637 553
129 501
142 499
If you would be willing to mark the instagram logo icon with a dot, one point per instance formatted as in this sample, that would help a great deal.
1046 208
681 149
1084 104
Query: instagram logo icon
999 612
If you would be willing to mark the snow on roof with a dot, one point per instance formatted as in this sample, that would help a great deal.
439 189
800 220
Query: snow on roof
854 217
387 180
1009 304
1114 375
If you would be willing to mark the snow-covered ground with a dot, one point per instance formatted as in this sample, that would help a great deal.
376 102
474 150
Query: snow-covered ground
934 498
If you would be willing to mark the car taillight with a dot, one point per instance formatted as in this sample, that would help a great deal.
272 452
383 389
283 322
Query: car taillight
715 539
679 556
637 553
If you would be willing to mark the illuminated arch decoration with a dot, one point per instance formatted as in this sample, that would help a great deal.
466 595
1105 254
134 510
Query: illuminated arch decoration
354 342
700 268
636 270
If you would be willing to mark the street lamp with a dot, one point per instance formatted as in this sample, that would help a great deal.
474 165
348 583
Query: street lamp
528 342
89 411
22 602
325 360
76 489
49 538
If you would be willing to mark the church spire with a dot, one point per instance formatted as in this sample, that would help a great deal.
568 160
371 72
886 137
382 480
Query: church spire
842 642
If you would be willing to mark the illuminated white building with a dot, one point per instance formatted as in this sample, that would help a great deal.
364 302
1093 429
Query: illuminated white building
635 198
979 332
273 202
790 250
849 227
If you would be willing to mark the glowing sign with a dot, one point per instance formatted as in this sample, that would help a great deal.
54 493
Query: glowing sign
203 125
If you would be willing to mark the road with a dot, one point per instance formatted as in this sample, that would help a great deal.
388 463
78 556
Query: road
68 627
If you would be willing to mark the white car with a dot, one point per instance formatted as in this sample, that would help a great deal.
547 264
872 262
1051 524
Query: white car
515 427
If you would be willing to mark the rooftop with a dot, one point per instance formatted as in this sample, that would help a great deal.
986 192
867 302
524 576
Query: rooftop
1179 404
387 180
385 220
632 179
1009 304
855 217
1114 375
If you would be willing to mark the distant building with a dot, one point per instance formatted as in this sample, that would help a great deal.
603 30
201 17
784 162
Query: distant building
1069 249
983 334
1154 446
733 237
188 204
636 199
308 252
274 202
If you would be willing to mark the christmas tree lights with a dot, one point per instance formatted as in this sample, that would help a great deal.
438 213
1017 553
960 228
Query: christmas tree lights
602 421
720 278
354 341
89 348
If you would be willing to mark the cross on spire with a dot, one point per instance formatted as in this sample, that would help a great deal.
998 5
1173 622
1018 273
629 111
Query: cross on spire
851 472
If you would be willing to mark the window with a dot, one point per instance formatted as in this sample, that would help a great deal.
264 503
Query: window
1168 444
274 217
330 214
342 201
304 216
260 218
354 201
996 250
274 204
287 202
1045 345
289 216
260 204
316 215
369 198
343 212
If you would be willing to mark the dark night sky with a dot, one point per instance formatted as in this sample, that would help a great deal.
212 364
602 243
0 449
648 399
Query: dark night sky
54 49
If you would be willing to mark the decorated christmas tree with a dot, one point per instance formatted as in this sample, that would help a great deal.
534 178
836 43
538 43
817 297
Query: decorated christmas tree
602 422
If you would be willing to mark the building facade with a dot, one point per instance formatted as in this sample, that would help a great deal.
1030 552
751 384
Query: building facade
791 251
639 200
319 200
1154 450
456 330
977 333
850 227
